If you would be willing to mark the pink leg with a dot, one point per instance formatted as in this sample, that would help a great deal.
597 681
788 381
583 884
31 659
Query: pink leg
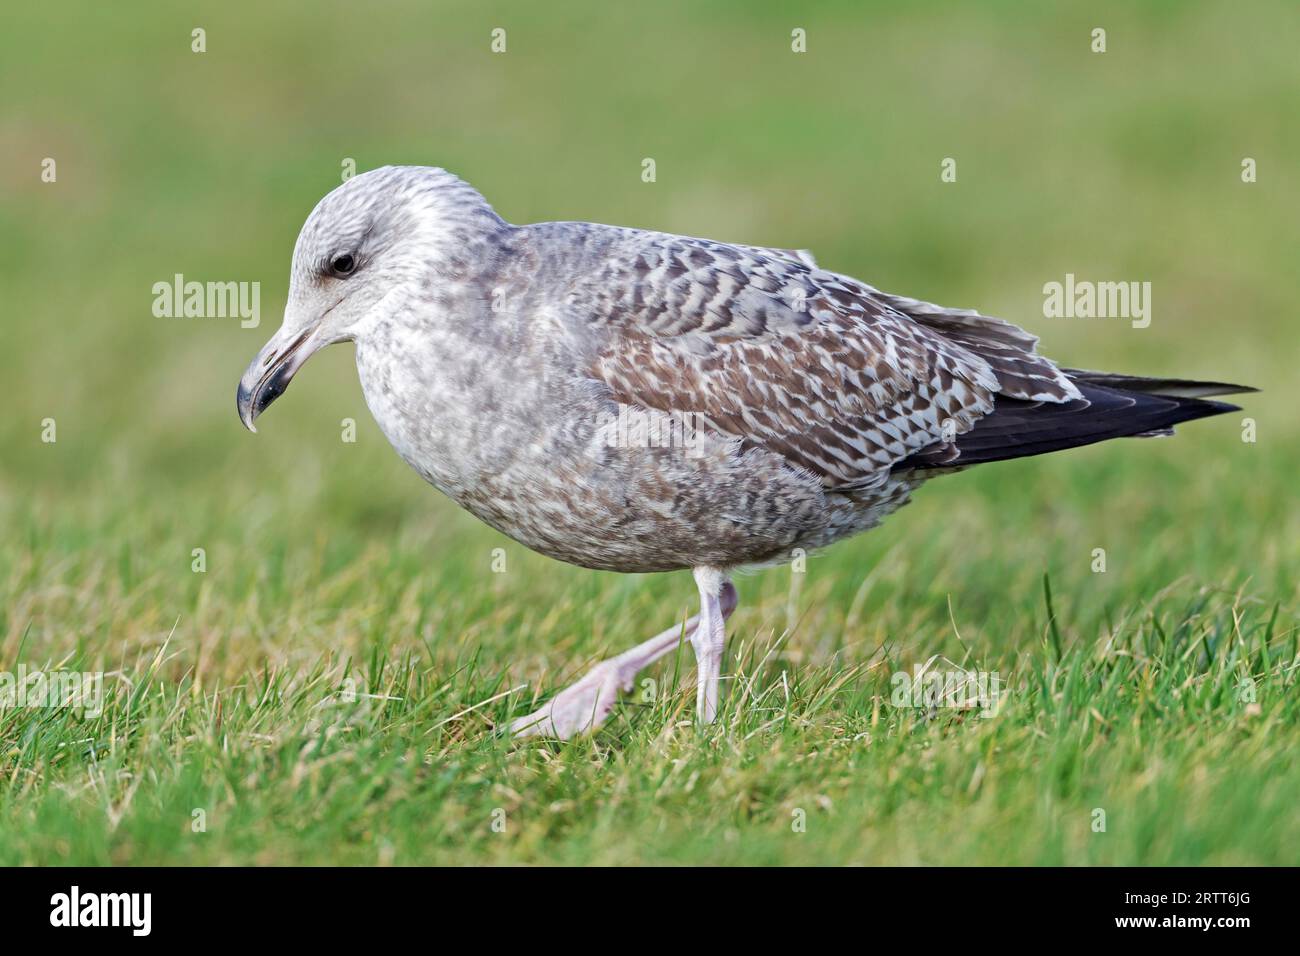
717 601
586 703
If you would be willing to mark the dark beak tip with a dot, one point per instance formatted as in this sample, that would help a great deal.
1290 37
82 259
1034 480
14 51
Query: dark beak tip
271 374
252 402
245 406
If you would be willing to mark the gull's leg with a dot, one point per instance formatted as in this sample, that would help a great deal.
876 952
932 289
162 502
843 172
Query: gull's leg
717 601
586 704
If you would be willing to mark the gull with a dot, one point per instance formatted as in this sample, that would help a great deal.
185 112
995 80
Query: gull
634 401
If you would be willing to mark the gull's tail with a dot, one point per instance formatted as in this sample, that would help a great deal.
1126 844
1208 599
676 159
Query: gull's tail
1113 406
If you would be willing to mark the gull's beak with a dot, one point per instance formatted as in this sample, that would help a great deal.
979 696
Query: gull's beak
270 373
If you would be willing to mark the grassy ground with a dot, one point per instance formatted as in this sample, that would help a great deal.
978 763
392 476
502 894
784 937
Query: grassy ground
328 688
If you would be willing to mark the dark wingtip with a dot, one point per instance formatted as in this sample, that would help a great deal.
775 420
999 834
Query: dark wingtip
1165 387
1020 429
1221 407
1190 409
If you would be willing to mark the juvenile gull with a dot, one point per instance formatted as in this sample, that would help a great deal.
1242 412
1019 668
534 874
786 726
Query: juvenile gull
505 362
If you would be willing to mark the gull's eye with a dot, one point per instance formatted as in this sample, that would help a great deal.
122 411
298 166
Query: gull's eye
343 266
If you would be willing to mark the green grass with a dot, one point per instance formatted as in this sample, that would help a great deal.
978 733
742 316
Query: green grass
389 754
330 688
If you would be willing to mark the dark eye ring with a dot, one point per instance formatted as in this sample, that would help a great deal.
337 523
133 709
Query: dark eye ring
343 266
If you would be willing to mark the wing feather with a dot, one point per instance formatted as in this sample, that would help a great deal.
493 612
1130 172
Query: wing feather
840 379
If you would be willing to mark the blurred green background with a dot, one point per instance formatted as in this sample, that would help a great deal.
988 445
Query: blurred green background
1124 165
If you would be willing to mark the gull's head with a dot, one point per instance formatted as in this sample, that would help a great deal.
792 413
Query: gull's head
377 235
